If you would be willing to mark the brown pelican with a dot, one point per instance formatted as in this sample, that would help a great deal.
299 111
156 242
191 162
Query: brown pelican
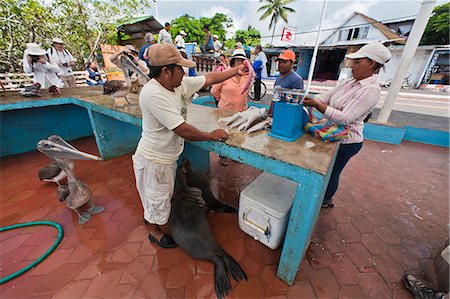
120 89
76 193
52 172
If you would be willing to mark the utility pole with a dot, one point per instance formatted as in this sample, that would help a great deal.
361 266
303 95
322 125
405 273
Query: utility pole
407 56
316 48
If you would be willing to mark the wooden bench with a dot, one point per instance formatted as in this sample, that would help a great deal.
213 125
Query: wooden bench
205 62
13 81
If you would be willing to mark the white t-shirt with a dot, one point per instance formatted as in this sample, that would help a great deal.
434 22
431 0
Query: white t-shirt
165 37
263 58
217 45
162 111
60 57
179 41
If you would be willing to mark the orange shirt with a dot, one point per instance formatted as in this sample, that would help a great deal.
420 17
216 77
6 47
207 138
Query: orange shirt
228 93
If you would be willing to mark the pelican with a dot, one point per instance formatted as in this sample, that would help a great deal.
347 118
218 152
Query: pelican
120 89
76 193
52 172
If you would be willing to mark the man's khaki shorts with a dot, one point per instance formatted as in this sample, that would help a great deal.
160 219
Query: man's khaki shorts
155 183
69 81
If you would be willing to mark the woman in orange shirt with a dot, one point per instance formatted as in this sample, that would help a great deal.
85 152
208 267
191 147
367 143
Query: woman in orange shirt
228 93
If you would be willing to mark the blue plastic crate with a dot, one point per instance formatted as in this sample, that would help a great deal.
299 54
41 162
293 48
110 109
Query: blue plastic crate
288 121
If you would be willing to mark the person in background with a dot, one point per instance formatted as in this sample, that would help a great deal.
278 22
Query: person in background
150 40
208 45
65 61
164 35
288 79
221 64
217 45
137 80
228 93
179 40
260 67
238 45
349 103
92 75
164 104
36 63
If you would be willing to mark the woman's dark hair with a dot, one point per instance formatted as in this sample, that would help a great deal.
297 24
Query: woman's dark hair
234 60
206 27
378 66
155 71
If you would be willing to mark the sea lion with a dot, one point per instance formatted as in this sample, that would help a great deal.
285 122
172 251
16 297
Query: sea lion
192 233
199 180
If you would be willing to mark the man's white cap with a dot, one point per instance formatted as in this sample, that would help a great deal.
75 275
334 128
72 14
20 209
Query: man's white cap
215 36
182 32
57 40
374 51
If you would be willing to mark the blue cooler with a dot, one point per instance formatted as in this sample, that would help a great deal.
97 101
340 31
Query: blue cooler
289 117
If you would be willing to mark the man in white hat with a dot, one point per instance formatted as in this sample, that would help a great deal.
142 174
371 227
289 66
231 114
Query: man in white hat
217 45
164 101
179 40
44 72
65 61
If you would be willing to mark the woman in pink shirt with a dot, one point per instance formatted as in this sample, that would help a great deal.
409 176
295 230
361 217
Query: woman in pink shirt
228 93
350 103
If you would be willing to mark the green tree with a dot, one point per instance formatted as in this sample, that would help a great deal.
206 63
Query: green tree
249 37
82 24
437 30
276 9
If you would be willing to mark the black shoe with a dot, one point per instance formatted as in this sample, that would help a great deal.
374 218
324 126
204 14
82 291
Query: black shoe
165 242
327 205
419 290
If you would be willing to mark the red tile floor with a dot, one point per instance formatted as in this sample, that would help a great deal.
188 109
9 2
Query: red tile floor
390 218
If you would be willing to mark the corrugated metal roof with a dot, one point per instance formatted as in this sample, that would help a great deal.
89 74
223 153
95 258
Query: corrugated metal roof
140 24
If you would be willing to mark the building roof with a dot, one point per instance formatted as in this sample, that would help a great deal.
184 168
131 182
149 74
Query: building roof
386 31
140 24
383 28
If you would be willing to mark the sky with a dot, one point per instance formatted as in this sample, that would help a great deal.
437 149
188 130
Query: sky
305 19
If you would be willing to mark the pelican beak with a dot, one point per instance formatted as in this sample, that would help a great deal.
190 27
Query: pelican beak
53 149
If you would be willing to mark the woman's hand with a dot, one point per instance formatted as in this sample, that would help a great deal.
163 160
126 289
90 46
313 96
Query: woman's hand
307 101
242 70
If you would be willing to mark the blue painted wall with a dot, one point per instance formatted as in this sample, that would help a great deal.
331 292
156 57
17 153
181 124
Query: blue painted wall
384 133
427 136
22 129
114 137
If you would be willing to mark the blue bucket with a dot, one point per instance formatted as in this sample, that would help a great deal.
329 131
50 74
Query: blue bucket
288 121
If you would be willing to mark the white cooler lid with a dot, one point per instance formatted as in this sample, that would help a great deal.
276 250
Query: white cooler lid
272 194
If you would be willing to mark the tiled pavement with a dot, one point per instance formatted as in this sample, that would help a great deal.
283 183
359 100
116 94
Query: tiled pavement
390 218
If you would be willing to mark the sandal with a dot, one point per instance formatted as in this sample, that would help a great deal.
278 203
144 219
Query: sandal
165 242
223 161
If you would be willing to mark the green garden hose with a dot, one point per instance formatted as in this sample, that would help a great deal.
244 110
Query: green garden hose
42 257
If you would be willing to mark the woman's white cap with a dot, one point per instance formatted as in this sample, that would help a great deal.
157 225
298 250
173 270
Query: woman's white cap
374 51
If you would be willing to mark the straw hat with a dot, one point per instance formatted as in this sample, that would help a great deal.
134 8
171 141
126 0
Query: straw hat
35 50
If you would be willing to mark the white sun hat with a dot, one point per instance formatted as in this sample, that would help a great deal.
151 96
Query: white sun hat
35 50
57 40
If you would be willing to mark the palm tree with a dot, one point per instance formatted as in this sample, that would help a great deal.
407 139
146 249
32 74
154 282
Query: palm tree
278 10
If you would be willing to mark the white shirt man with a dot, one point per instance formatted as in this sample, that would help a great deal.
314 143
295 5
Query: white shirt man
164 35
64 59
217 45
179 40
261 56
163 101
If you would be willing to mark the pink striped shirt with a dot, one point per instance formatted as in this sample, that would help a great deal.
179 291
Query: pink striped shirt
349 103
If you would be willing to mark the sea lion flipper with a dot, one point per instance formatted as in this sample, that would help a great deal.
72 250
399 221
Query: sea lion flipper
233 267
222 284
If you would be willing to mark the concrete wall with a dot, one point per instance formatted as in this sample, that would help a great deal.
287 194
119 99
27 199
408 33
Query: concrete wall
415 69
